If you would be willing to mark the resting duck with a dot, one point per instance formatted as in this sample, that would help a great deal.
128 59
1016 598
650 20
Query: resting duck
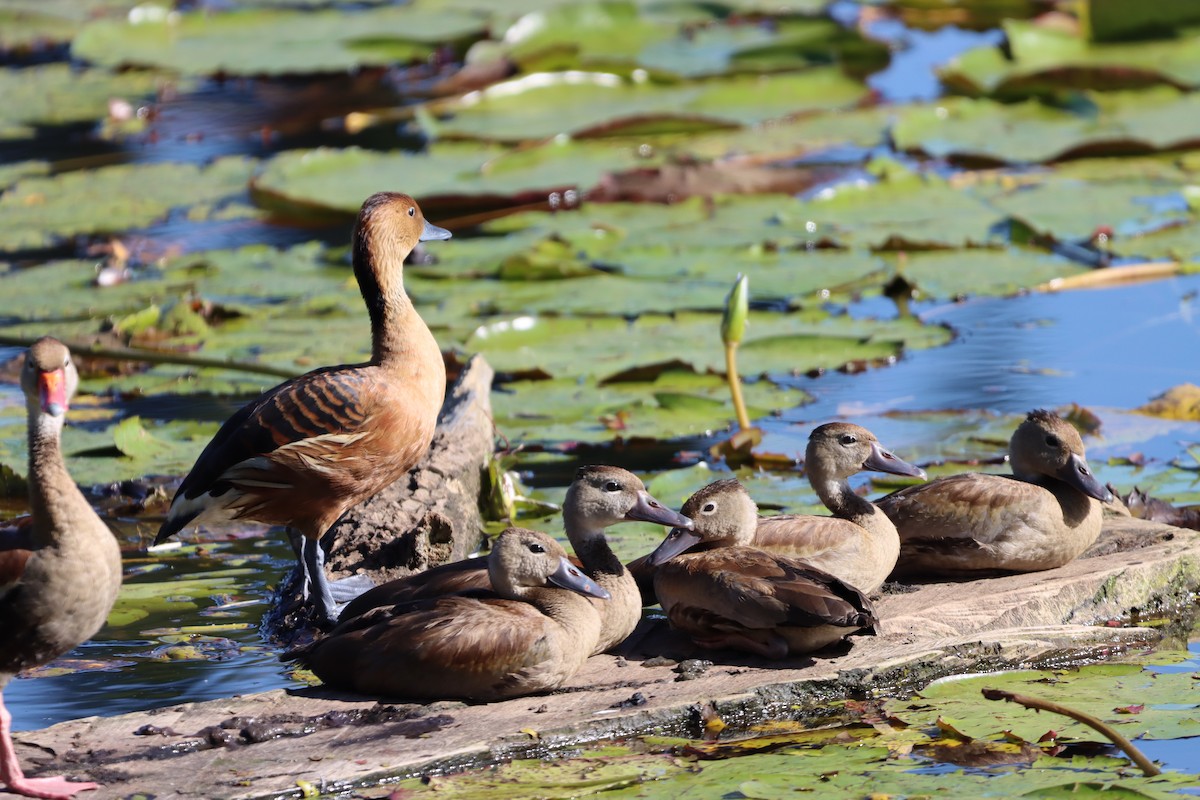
731 595
858 543
305 452
1043 516
599 496
526 636
60 567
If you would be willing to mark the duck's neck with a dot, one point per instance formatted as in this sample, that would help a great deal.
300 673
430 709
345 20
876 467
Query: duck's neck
398 334
53 497
572 611
841 499
592 547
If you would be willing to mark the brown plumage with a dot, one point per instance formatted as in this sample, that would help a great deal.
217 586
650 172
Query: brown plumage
858 543
599 496
1043 516
60 568
726 594
526 636
305 452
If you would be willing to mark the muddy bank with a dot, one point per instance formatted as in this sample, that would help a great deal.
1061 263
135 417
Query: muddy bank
258 746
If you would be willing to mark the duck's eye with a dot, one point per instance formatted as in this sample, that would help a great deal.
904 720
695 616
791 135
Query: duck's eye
708 508
66 362
612 486
848 438
1053 440
29 365
412 212
536 548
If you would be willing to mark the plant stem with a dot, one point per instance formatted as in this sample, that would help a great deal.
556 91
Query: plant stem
158 357
735 385
1147 766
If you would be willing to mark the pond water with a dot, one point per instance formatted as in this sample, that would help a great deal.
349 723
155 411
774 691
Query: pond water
1109 350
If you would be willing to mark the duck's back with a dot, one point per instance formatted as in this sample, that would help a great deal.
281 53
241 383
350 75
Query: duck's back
975 522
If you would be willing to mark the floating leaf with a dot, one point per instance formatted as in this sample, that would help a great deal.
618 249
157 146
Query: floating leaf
1178 402
39 212
272 42
57 94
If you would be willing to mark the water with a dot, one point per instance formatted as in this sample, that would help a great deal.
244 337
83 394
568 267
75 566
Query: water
1107 349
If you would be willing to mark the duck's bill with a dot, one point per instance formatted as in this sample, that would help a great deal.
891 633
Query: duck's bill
1076 473
569 576
431 231
677 541
882 460
52 392
647 509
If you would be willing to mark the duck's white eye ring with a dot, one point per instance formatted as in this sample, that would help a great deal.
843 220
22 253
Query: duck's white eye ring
412 212
848 438
708 508
536 548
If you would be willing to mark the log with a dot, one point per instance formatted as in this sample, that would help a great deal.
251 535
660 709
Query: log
428 517
260 745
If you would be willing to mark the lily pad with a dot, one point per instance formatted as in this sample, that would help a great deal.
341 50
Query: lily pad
952 274
1118 122
33 24
39 212
449 178
675 404
775 343
596 104
273 41
1047 60
57 94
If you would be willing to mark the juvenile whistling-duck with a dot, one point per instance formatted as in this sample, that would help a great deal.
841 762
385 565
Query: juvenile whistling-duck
599 496
1041 517
305 452
858 543
525 636
730 595
60 567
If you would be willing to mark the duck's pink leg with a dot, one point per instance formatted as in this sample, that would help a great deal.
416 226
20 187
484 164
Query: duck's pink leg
13 780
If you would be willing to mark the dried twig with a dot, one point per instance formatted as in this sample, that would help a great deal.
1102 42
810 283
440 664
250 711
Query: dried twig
1147 766
157 357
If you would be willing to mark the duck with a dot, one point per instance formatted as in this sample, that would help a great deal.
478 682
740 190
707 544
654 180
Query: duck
858 544
723 593
598 497
305 452
530 633
60 567
1041 517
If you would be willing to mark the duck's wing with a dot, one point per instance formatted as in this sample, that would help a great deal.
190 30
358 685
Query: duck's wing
964 512
760 590
446 579
314 416
643 576
15 551
457 646
805 536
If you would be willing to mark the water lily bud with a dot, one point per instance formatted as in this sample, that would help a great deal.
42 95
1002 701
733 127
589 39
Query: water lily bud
737 308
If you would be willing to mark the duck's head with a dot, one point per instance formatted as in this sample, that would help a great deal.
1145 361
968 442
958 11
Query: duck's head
522 559
388 227
722 514
837 450
49 377
602 495
1046 444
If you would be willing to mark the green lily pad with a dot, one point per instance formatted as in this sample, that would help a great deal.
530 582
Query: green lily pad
674 404
39 212
1172 708
775 343
1119 122
449 178
1047 60
952 274
273 41
582 104
57 94
790 138
31 24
